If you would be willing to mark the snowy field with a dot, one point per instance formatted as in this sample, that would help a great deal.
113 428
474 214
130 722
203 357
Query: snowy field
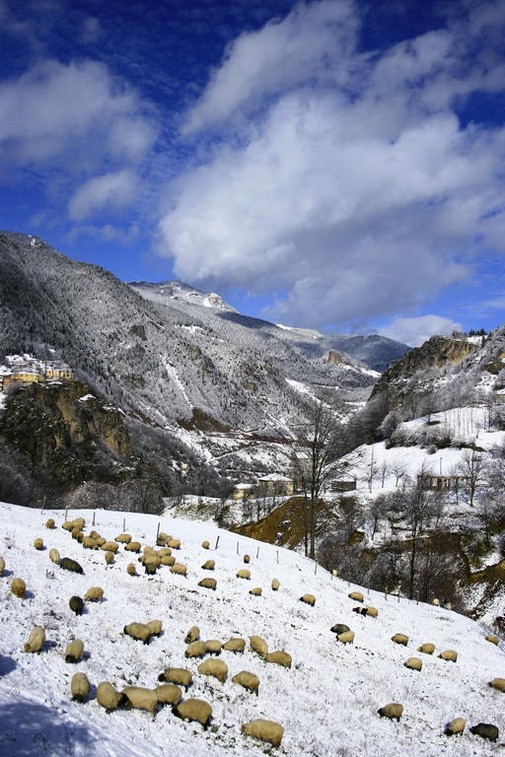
327 702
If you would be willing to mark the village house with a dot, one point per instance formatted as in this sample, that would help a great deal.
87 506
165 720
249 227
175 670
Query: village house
275 484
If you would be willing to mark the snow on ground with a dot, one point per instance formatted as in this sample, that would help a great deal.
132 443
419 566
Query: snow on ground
327 702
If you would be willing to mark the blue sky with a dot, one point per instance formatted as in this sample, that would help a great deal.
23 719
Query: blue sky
331 164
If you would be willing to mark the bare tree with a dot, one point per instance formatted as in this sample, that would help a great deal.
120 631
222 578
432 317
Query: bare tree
473 470
399 469
421 506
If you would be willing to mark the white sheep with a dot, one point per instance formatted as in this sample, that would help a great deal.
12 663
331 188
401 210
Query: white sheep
141 698
249 681
79 686
74 651
216 668
109 697
413 663
264 730
36 640
195 710
454 727
308 599
179 676
393 710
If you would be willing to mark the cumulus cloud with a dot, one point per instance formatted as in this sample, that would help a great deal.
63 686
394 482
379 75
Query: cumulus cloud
415 331
351 190
111 191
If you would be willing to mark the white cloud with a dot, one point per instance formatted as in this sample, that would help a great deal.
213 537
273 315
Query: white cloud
415 331
357 196
110 191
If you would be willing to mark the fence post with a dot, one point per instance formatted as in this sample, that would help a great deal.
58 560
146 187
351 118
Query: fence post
257 553
237 548
217 542
124 524
94 512
158 531
277 557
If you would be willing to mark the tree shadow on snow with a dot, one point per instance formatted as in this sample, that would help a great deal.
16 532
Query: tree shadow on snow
7 665
29 729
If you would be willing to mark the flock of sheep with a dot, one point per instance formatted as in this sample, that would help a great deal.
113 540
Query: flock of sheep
171 681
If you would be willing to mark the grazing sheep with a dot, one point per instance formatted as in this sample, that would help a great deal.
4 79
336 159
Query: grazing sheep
109 558
18 587
89 543
167 560
100 541
339 628
50 523
76 604
485 731
205 544
131 569
492 638
77 534
264 730
2 566
179 676
309 599
246 559
164 552
74 651
346 638
209 565
68 564
216 668
179 569
150 568
141 698
279 657
155 626
413 663
168 693
393 710
192 635
195 649
109 697
256 591
400 638
498 683
95 535
162 539
174 543
133 546
248 681
123 538
138 631
427 648
194 710
449 654
110 546
356 595
208 583
79 686
243 573
68 525
259 645
436 602
213 646
275 584
454 727
36 640
38 543
54 556
371 612
235 644
94 594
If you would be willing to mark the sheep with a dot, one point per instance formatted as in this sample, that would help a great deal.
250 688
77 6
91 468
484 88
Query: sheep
100 541
174 543
393 710
413 663
194 710
216 668
309 599
258 645
68 564
279 657
50 523
168 693
89 543
356 595
123 538
54 556
167 560
339 628
79 686
179 676
179 569
208 583
485 731
164 552
209 565
195 649
36 640
94 594
68 525
346 638
498 683
275 584
74 651
205 544
455 727
264 730
256 591
109 558
18 587
400 638
492 638
192 635
246 559
110 546
138 631
235 644
133 546
76 604
213 646
2 566
371 612
141 698
249 681
449 654
243 573
427 648
155 626
131 569
38 543
436 602
162 539
108 697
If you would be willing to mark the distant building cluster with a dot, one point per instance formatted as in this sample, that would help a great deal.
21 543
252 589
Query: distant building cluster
25 369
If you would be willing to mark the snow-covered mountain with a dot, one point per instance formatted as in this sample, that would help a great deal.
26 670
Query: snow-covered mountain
326 702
